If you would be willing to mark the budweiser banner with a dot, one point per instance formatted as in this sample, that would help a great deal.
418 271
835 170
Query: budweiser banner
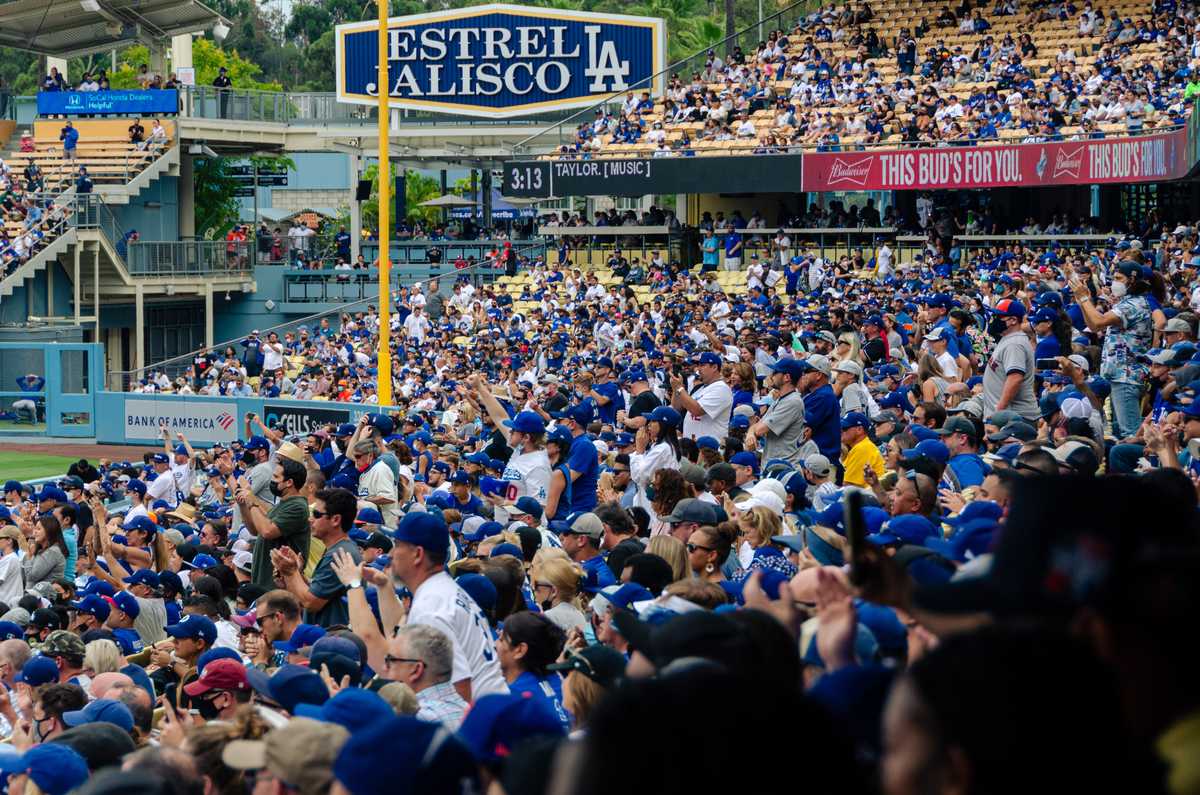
1149 158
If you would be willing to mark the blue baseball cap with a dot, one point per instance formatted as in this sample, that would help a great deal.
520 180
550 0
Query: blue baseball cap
369 516
580 414
98 587
160 458
290 686
789 366
258 443
93 605
51 493
38 671
55 768
708 357
905 529
497 723
143 577
632 375
203 562
13 485
629 593
527 506
933 448
971 539
856 419
354 708
424 530
345 429
303 636
461 478
137 486
526 422
196 627
479 588
142 523
978 509
127 603
1009 307
708 443
10 630
507 549
419 757
739 421
480 458
665 415
381 423
745 459
102 710
181 449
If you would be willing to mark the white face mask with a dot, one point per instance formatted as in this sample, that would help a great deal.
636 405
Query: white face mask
1118 289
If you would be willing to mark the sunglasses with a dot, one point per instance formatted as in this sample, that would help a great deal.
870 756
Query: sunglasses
693 547
260 619
390 660
319 514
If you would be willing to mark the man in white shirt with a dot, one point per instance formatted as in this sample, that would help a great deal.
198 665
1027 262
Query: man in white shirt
376 484
416 325
883 261
272 351
708 403
418 559
163 485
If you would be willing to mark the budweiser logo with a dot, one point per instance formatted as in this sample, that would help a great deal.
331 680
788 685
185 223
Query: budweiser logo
853 171
1068 162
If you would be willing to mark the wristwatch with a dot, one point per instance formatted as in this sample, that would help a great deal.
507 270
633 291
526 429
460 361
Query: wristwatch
354 584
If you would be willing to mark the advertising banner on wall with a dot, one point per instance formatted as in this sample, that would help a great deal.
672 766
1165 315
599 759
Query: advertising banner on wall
501 60
1148 158
120 102
300 420
202 422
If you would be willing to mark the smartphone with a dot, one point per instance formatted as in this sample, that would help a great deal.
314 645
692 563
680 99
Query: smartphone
1047 364
856 532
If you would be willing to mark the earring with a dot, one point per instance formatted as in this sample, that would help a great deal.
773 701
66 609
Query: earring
709 569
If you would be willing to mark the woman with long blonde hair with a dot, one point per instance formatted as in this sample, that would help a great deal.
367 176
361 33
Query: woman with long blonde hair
556 583
673 551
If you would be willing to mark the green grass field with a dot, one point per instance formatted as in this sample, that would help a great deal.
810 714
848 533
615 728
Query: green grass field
27 466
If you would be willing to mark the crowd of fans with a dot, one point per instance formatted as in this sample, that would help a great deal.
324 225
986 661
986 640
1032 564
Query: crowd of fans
889 515
844 78
29 219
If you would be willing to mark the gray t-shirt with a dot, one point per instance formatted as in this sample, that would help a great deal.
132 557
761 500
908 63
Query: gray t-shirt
326 585
260 476
785 421
1013 354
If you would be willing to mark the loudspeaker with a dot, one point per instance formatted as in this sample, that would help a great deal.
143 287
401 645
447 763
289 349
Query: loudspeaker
364 190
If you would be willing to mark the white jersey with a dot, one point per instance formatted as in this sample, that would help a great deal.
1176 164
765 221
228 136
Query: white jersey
440 603
717 401
162 488
378 481
530 473
183 478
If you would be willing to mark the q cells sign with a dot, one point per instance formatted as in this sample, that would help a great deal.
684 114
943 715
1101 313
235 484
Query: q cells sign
501 60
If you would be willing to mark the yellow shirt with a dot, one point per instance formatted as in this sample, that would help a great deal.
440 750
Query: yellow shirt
865 453
1179 747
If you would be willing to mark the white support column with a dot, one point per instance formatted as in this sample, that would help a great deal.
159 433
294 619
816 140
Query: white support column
181 51
158 62
139 323
208 314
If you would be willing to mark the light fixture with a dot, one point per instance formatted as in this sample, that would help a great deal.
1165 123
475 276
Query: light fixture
270 305
92 6
227 298
220 30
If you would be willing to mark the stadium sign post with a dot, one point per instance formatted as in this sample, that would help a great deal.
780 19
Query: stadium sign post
383 387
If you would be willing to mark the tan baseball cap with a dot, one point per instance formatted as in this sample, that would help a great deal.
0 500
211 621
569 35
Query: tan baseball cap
301 754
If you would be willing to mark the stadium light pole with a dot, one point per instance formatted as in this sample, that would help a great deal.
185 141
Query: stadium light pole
383 389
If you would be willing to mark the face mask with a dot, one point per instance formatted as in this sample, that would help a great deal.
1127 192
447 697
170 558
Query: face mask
650 493
248 457
546 604
207 709
275 489
1118 289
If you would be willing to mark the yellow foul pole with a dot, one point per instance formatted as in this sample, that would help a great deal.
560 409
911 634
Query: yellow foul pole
384 389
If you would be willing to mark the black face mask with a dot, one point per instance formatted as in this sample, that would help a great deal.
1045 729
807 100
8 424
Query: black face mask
275 490
207 709
248 457
546 604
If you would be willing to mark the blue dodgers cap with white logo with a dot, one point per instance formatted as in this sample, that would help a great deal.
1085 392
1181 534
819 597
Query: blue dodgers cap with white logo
93 605
708 357
143 577
142 523
495 724
424 530
581 414
38 671
906 529
526 422
855 419
196 627
127 603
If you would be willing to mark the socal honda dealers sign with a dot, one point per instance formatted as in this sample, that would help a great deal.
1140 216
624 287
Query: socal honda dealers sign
1149 158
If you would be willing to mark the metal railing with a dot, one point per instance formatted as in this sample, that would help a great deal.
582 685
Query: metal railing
122 380
747 39
156 258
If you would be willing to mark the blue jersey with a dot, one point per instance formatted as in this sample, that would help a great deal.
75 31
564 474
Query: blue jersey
582 458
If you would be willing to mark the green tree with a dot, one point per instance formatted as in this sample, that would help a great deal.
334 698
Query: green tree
216 207
417 188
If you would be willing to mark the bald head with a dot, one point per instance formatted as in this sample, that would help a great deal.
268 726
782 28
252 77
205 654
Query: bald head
14 653
111 685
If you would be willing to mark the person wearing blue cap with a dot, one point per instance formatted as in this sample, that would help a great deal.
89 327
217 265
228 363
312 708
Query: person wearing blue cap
707 404
782 427
861 453
606 392
463 500
419 560
163 486
193 635
642 398
181 457
54 768
1008 377
656 448
528 468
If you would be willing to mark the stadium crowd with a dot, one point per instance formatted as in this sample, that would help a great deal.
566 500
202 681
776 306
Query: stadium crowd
856 75
933 524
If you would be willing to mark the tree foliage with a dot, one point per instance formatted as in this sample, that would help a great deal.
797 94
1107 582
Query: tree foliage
417 188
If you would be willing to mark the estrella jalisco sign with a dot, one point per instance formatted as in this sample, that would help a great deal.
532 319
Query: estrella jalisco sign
502 60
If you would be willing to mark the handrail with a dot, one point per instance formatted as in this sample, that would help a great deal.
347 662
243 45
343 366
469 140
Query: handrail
843 148
649 81
128 376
